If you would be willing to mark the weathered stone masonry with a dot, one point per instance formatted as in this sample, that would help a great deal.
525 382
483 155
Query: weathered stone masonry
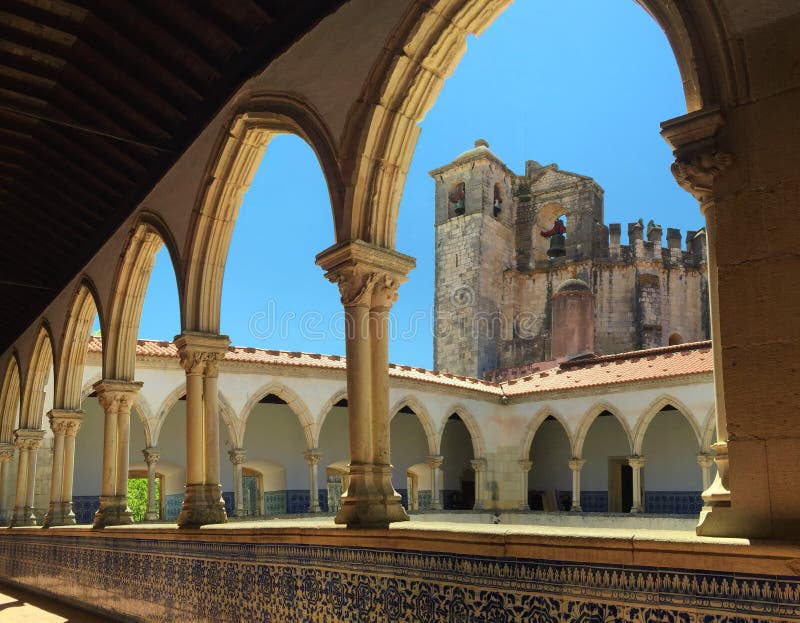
496 285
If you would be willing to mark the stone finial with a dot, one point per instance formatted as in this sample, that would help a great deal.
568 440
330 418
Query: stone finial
481 142
635 231
673 238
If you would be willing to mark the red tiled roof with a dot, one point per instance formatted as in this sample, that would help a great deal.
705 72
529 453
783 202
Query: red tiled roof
642 365
636 366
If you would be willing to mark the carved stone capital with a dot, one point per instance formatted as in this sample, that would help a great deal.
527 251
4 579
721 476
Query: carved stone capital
576 465
367 275
312 457
636 462
6 452
65 421
200 353
699 159
28 438
698 174
478 465
151 456
706 461
435 461
524 465
237 456
117 396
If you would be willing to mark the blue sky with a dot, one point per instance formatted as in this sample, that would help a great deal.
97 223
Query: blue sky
583 83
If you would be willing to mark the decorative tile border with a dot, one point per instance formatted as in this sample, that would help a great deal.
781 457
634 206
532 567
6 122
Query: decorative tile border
218 582
673 502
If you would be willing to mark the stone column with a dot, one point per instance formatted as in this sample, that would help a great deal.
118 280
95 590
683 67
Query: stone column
116 398
6 456
238 457
479 467
524 467
698 166
151 456
368 278
576 465
202 502
65 425
28 441
313 457
637 463
435 463
706 462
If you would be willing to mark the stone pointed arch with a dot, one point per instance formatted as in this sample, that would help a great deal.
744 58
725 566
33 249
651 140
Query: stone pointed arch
228 415
142 408
165 407
340 394
424 418
127 298
709 429
589 418
74 345
88 387
294 402
471 423
533 427
234 163
10 399
653 409
382 128
35 378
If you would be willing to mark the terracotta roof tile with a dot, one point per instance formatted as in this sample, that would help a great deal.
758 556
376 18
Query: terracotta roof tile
657 363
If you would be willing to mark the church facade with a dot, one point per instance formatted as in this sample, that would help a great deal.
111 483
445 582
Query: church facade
502 302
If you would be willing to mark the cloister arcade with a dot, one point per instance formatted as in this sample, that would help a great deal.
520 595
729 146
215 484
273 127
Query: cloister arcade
284 443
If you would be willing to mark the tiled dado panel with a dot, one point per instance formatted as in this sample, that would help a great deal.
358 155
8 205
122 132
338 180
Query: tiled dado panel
201 581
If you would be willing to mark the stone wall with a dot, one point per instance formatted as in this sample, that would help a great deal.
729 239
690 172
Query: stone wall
495 281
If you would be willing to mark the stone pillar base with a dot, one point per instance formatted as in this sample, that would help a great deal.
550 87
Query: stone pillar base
148 516
371 501
202 505
113 511
576 508
23 516
59 514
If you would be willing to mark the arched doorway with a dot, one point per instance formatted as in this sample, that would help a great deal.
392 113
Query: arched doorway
409 446
458 476
549 479
606 477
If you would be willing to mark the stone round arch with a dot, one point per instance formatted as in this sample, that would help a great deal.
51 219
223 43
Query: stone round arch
85 304
382 128
423 417
533 427
35 377
10 398
653 409
589 418
472 427
132 276
292 400
233 163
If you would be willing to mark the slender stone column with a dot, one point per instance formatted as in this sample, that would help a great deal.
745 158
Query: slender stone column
313 457
698 166
435 463
116 398
479 467
368 278
637 463
524 468
576 465
6 456
238 457
151 457
706 462
202 502
65 425
28 441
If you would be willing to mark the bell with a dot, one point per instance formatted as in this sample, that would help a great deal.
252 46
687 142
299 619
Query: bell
557 246
459 207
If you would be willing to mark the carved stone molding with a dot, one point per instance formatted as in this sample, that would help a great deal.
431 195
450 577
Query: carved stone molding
699 174
237 455
28 438
524 465
151 456
435 462
115 396
65 422
200 353
576 465
312 457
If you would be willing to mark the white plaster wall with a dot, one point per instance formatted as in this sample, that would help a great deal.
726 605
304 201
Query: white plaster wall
172 443
334 439
550 453
274 434
671 454
457 453
408 446
89 450
605 438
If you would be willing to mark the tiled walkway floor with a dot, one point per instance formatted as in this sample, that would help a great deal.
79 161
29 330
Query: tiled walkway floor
18 606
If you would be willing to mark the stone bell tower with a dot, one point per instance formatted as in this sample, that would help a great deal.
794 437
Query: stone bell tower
474 246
